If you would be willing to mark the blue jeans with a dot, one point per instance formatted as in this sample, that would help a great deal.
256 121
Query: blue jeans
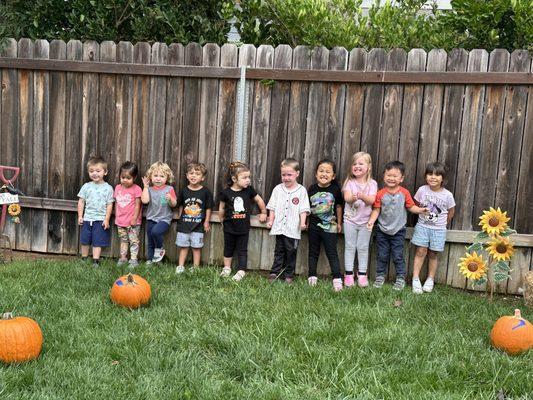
155 232
387 245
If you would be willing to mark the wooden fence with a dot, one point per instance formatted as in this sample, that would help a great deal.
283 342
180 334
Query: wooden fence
62 102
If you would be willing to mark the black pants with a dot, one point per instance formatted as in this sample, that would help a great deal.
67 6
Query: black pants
285 256
316 237
234 242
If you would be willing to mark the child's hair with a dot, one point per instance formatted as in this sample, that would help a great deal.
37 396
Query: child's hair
95 160
163 167
355 157
197 167
437 168
130 168
291 162
395 165
234 169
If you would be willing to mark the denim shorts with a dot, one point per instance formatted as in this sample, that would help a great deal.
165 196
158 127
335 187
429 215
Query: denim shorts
193 239
93 233
434 239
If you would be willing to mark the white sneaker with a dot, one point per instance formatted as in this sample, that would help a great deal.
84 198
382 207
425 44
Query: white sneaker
158 255
180 269
238 275
417 286
226 271
428 285
312 280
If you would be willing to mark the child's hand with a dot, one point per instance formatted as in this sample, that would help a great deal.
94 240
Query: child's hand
269 224
80 220
207 226
370 226
262 218
303 226
146 181
105 224
168 197
133 222
339 228
425 211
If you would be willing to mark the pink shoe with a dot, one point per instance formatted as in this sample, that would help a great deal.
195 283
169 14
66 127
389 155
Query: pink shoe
348 280
337 284
362 281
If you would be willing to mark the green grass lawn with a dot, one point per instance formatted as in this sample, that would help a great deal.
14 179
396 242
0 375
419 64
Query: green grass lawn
207 338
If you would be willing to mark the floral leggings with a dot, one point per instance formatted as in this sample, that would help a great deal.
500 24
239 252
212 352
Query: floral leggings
129 237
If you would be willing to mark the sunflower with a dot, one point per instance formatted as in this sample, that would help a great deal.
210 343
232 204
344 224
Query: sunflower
472 266
494 221
13 210
500 248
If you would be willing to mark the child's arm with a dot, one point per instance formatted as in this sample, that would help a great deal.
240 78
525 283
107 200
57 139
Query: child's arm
348 196
451 213
373 217
418 210
145 196
303 220
271 218
180 210
136 212
108 211
368 199
221 209
172 200
262 208
207 224
81 207
339 218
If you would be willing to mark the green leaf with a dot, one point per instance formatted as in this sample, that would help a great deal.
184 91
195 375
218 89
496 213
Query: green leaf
474 247
502 266
480 281
500 276
507 232
482 235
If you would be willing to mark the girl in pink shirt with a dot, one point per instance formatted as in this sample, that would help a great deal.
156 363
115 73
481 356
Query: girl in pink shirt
128 213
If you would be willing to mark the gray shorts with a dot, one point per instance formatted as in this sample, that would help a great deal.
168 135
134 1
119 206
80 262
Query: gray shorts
193 239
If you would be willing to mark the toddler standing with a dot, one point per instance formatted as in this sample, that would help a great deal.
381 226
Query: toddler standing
389 210
289 207
430 230
325 222
359 194
161 198
235 208
95 205
128 213
195 204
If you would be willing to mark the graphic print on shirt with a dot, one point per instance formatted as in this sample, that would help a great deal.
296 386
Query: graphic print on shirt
435 206
123 199
192 211
239 211
322 205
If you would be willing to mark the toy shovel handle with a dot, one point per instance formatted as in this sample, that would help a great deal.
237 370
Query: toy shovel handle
15 171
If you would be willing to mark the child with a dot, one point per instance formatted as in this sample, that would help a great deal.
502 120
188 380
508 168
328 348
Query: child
94 210
359 194
289 207
195 204
325 223
128 213
235 208
161 198
430 231
389 206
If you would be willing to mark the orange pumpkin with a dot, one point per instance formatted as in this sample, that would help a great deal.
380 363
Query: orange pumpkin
131 291
512 334
21 339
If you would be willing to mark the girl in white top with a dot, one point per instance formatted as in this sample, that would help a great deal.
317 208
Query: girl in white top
359 193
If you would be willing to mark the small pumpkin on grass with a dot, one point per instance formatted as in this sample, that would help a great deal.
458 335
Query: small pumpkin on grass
131 291
512 334
21 339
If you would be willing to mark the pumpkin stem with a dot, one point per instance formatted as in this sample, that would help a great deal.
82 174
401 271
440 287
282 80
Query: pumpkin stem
7 315
517 313
130 278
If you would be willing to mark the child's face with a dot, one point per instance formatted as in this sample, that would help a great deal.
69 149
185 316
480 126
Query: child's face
126 179
324 174
289 175
243 179
434 181
360 168
195 177
392 178
158 178
97 173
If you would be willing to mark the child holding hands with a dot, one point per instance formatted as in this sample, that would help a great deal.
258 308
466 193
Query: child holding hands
95 205
161 198
289 207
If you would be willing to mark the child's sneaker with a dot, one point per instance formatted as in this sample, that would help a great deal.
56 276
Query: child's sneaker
122 261
399 284
272 278
312 280
428 285
158 255
96 263
194 268
337 284
362 281
239 275
133 263
149 262
180 269
380 280
417 286
289 280
348 280
226 271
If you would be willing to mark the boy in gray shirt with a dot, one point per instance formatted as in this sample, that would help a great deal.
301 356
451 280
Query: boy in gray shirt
389 209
